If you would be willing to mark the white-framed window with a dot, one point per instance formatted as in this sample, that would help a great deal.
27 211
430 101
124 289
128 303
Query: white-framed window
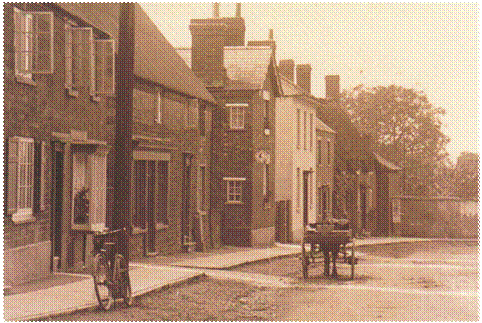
311 131
201 196
33 42
319 200
88 61
159 107
89 189
20 178
318 152
150 189
43 165
298 189
234 189
304 130
298 128
192 114
103 80
236 115
310 188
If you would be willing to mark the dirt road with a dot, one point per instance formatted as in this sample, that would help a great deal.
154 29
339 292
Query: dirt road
423 281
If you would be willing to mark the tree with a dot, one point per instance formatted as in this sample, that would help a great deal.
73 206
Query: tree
466 176
405 128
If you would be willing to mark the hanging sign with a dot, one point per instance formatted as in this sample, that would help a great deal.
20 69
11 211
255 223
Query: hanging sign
263 157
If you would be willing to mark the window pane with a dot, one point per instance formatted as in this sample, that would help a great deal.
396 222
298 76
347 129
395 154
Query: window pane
163 191
298 127
304 129
42 42
104 67
139 193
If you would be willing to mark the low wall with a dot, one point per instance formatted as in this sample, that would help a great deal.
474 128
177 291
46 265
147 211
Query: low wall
435 217
26 263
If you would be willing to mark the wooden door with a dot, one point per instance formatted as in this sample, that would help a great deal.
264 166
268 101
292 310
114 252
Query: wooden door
57 198
186 194
306 182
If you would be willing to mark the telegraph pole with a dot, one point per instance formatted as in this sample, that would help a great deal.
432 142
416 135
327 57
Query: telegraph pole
123 125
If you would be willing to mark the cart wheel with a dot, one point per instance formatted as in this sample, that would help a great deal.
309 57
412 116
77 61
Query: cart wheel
353 260
121 274
101 282
304 261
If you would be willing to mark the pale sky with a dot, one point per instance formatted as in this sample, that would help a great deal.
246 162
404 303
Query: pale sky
429 47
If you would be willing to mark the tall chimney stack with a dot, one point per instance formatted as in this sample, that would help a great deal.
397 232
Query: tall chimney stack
332 87
271 35
238 10
287 68
216 10
303 76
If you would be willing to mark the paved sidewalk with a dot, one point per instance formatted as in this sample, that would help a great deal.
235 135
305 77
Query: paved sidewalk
226 261
80 295
147 276
234 259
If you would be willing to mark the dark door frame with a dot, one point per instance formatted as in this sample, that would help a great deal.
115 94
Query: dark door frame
57 202
306 178
363 206
187 159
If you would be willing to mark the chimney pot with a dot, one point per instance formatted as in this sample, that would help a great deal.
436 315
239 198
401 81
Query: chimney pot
286 67
332 87
303 77
238 10
270 34
216 10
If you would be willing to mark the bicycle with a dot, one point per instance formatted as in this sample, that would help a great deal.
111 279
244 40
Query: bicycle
110 270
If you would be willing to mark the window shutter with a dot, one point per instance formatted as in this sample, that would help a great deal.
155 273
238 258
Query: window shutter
98 185
43 165
68 56
36 176
104 66
193 113
43 42
82 42
19 19
12 175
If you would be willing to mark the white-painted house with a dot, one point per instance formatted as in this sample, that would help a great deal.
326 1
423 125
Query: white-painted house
296 153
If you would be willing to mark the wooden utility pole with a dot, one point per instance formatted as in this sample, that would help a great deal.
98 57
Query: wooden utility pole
123 125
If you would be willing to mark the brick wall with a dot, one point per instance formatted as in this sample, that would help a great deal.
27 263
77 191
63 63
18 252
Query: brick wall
35 111
232 155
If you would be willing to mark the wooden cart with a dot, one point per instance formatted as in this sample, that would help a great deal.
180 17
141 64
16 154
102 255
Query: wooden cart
315 239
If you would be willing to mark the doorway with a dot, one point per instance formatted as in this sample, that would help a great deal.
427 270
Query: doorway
186 194
363 206
325 202
306 181
57 208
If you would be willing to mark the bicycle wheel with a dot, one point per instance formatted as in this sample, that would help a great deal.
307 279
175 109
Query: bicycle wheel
101 282
121 274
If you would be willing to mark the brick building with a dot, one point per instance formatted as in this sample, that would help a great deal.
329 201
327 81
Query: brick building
364 182
244 82
59 108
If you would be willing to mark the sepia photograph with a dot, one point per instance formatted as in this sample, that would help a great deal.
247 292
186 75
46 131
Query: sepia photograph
255 161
